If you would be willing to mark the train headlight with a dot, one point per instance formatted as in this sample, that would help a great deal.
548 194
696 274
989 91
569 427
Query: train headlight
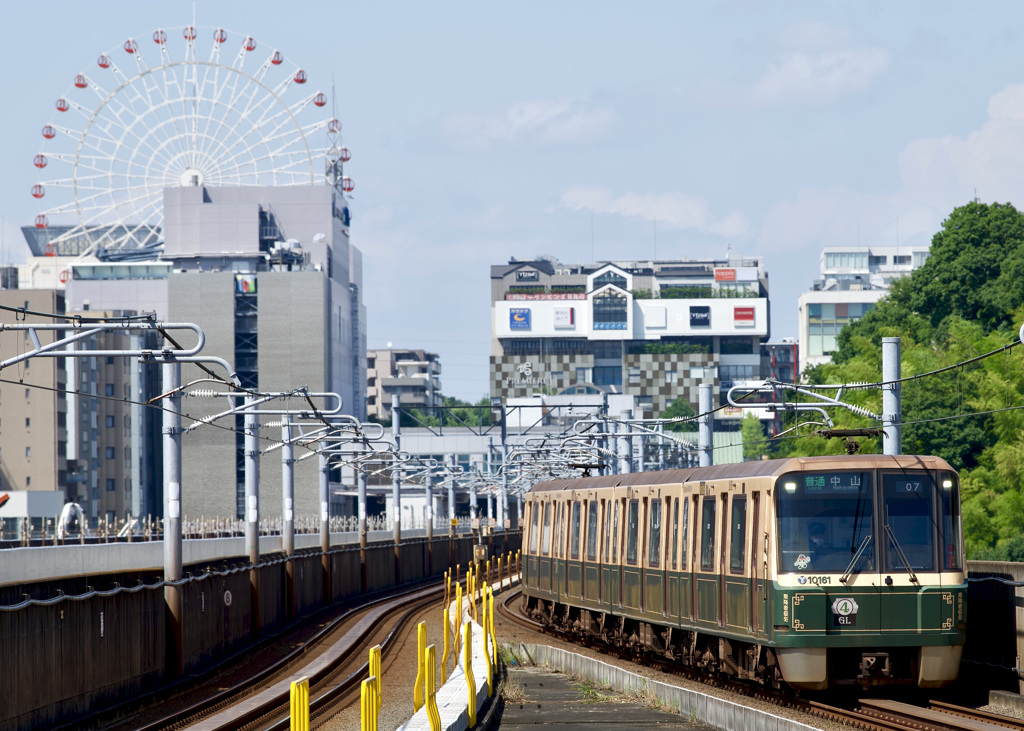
947 484
790 486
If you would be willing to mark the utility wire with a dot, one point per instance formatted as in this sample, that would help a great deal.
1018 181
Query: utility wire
23 311
139 403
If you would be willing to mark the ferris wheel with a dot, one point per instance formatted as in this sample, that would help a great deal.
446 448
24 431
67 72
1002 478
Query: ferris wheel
200 107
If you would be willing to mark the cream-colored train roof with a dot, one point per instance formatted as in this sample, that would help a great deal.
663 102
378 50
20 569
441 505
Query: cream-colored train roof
742 470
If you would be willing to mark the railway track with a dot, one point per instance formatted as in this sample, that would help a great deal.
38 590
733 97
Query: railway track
872 714
259 700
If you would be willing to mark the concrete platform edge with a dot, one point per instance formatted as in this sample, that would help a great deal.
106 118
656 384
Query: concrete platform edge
1005 700
715 712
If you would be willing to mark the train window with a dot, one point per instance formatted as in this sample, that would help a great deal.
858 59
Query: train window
909 522
949 510
675 534
592 531
707 535
823 520
533 528
615 531
654 545
739 533
632 523
686 532
546 540
574 537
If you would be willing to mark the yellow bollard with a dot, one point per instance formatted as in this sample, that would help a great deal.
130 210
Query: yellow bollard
494 641
447 648
467 666
458 618
368 705
487 654
421 649
500 579
432 713
300 704
444 583
488 581
375 673
458 573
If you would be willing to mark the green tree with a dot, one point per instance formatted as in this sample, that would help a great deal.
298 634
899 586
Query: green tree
753 438
679 409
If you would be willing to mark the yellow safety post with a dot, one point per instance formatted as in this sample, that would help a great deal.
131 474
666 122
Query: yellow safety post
444 583
488 582
300 704
376 674
494 641
458 573
470 593
432 713
487 654
467 666
458 618
368 705
421 649
447 648
500 579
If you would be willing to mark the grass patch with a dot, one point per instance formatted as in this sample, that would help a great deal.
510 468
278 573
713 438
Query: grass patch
590 694
513 692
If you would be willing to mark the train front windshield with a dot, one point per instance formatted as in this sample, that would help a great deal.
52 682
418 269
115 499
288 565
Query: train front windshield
830 521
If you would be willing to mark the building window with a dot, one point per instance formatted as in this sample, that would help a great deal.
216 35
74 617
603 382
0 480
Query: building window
110 484
920 257
110 360
28 391
109 421
670 377
28 482
634 376
110 452
736 346
608 375
108 389
28 422
877 261
582 375
610 311
846 260
610 278
901 259
28 451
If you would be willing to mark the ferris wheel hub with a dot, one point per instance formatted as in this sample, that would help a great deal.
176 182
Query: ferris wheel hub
193 178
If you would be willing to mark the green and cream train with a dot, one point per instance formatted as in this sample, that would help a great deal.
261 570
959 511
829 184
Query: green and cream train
811 572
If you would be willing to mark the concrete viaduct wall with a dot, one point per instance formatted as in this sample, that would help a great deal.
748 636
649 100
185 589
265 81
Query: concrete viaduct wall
73 658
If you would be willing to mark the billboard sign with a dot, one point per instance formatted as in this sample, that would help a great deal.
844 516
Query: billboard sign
519 318
700 316
565 318
743 316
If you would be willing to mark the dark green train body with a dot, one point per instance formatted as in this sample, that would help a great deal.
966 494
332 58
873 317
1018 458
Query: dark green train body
816 571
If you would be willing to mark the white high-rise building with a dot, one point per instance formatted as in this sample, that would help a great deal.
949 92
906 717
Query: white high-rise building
852 279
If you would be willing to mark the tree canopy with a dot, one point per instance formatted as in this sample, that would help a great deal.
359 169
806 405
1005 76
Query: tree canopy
966 300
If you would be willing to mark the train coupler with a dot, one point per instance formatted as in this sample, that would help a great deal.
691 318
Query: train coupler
874 665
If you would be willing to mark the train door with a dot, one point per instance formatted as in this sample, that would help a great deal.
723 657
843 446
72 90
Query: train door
723 571
694 557
547 568
705 580
592 568
630 554
685 606
575 564
654 575
616 583
672 585
645 516
532 573
737 586
558 549
756 585
606 525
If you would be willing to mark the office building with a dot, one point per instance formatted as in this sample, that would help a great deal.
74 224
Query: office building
851 281
270 276
412 375
653 329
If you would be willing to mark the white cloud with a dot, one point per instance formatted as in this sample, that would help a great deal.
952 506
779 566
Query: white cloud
822 74
563 120
936 175
814 36
673 209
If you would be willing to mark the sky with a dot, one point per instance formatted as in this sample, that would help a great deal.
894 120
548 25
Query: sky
595 130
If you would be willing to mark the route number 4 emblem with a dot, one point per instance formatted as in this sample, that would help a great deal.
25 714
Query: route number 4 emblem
844 610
